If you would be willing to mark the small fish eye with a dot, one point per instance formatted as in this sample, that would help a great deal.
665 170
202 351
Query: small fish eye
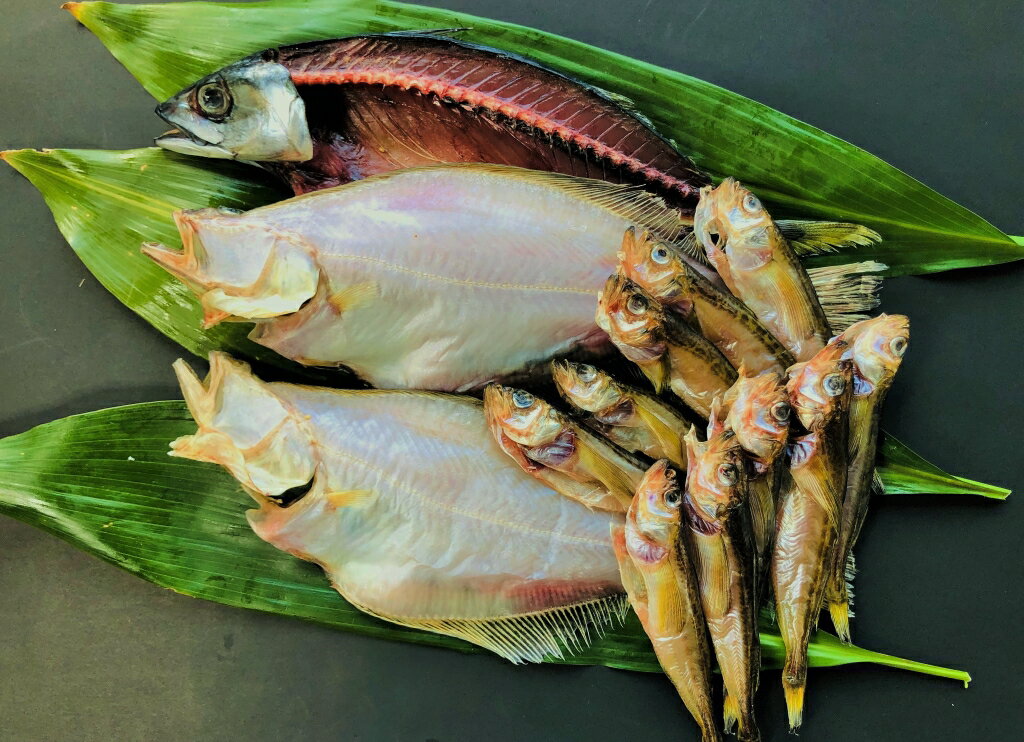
751 203
898 346
728 474
214 100
636 304
670 473
587 372
673 498
834 385
660 254
781 411
522 399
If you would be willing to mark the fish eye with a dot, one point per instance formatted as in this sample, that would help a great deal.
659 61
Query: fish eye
660 254
834 384
214 100
898 346
751 203
636 304
522 399
781 411
728 474
673 498
670 473
587 372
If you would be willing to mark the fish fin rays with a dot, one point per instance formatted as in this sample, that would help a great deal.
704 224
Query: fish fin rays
815 238
730 713
632 579
349 498
611 476
529 637
847 293
671 440
354 296
794 704
712 564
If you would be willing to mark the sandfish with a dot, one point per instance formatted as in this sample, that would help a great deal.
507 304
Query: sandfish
442 278
668 351
564 455
407 505
630 418
810 502
658 574
759 265
720 533
876 348
324 113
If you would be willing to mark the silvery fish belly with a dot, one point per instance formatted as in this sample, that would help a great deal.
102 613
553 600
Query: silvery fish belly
412 510
438 278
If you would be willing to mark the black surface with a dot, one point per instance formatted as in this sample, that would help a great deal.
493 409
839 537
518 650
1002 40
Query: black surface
92 653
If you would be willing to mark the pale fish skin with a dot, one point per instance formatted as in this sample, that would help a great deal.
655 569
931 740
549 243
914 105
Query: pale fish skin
758 264
441 278
877 346
659 575
409 508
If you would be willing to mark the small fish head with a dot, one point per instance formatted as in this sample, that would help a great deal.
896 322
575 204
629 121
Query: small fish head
634 320
522 417
877 346
759 414
584 386
716 476
820 389
246 428
730 220
653 265
656 505
239 267
249 110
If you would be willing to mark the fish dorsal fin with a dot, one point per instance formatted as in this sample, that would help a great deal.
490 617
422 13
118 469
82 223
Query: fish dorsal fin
670 439
349 498
712 563
528 637
630 202
815 238
847 293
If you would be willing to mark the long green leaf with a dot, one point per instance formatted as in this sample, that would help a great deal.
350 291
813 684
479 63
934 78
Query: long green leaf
794 166
104 482
107 203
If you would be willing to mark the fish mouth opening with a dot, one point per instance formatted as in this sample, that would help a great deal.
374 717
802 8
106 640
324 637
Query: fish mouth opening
185 142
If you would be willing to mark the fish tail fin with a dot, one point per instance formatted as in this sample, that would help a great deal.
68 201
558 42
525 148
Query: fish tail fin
840 612
730 712
795 704
814 238
847 293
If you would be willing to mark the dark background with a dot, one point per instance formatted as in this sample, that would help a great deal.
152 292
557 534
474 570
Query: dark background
91 653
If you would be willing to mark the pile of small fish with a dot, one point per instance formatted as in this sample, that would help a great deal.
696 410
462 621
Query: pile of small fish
497 202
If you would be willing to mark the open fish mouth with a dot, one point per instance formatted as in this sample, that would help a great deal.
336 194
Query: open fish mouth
186 143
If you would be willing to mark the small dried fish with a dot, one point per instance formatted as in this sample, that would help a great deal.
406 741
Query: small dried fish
658 574
809 508
565 456
665 348
628 417
660 268
719 530
412 511
876 348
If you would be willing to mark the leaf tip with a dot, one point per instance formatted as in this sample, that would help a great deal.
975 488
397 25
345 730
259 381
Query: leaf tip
74 9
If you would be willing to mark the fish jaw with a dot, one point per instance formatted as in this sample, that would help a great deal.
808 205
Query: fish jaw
262 117
585 386
522 417
759 414
877 346
820 389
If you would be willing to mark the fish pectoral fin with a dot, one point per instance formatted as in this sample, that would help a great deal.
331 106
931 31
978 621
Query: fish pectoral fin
847 293
528 637
594 462
354 296
656 371
670 439
593 496
712 564
631 577
346 498
814 238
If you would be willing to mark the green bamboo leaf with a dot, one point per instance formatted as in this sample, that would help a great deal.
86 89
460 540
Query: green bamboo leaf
797 168
107 204
103 481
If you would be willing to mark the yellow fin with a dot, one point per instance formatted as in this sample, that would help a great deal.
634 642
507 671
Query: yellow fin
632 579
353 296
814 238
670 439
664 602
847 293
656 372
349 497
712 573
528 637
840 613
730 713
595 463
794 704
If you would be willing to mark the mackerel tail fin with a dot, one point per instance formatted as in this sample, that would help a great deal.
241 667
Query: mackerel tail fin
847 292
